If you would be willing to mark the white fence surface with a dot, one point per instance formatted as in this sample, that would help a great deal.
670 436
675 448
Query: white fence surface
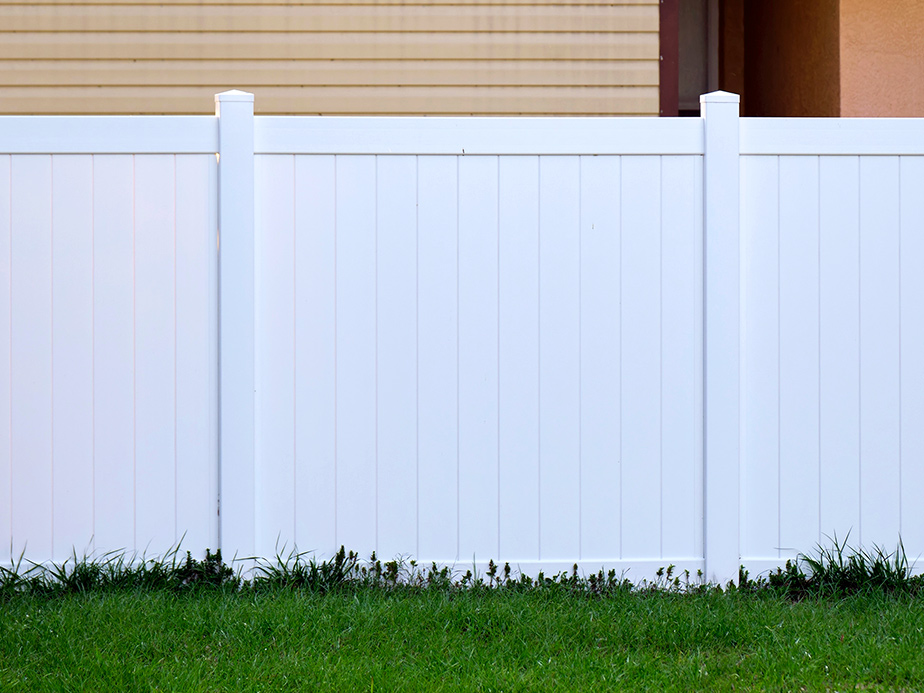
832 339
612 342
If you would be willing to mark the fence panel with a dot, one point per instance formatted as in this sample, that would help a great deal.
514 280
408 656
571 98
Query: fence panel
828 330
111 382
465 324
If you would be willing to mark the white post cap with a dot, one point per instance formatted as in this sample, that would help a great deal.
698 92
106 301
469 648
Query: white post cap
719 97
234 95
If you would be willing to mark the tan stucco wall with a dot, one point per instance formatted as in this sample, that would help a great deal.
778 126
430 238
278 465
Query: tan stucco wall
882 58
791 57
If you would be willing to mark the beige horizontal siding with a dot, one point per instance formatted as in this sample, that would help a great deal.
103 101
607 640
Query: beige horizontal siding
392 73
350 57
318 18
297 3
282 46
355 100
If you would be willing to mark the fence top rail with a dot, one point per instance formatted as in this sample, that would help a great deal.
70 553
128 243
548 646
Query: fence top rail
108 134
476 135
832 136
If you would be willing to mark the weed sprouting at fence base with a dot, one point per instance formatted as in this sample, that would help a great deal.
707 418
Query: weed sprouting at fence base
840 570
117 571
347 571
834 572
293 571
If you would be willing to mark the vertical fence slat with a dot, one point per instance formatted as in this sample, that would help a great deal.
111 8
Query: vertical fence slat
437 349
274 286
155 349
72 277
559 357
681 292
195 460
396 355
912 351
699 356
478 362
356 458
518 367
315 355
6 497
879 351
839 335
760 357
641 357
31 358
799 352
214 366
113 352
600 357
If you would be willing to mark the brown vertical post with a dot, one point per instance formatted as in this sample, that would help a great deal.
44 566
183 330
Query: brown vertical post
669 78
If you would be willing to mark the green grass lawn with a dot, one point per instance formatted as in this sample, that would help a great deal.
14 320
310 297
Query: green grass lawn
367 638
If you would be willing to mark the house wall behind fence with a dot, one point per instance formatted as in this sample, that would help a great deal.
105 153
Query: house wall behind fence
882 58
108 333
352 56
791 62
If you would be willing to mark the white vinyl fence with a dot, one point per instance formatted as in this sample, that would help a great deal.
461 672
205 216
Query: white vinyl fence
108 327
832 335
621 343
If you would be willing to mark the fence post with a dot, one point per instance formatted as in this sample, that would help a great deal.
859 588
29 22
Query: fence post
721 335
236 497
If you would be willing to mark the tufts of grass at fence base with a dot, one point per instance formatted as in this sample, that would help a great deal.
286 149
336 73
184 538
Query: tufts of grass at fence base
830 572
